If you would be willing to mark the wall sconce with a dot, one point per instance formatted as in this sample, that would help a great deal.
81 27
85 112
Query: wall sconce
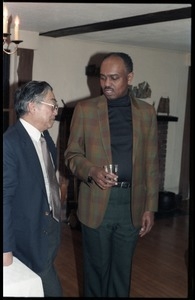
6 35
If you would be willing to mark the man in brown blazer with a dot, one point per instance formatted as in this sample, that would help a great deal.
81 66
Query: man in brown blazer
114 210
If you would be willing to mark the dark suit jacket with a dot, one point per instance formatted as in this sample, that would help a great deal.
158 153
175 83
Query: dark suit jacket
89 145
25 201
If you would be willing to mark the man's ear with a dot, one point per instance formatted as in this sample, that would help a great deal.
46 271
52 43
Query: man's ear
130 78
31 107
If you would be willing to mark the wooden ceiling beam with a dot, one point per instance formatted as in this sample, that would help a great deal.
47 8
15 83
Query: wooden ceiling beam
161 16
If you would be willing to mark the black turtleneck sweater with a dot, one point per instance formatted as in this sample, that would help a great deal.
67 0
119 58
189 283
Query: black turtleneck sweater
120 120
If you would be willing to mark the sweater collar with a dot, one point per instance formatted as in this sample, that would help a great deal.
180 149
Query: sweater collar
119 102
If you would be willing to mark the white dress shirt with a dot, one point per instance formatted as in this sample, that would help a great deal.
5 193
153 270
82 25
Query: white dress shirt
35 135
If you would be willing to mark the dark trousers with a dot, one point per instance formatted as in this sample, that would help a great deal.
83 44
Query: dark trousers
50 280
108 250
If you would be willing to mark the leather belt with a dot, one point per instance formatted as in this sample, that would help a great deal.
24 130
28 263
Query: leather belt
123 184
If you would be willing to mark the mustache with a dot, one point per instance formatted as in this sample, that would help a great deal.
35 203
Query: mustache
107 88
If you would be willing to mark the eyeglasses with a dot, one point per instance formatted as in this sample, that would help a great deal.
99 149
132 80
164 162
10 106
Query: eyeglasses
54 106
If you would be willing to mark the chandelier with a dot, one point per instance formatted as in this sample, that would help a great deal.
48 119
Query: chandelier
10 46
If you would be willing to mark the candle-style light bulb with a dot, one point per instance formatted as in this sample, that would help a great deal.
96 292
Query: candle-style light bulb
5 20
16 29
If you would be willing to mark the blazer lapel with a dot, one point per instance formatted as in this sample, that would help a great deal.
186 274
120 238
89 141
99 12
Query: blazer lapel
136 126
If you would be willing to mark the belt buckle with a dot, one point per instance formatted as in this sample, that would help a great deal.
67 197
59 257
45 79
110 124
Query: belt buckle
124 185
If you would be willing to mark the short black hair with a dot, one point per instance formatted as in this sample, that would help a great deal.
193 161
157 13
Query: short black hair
125 57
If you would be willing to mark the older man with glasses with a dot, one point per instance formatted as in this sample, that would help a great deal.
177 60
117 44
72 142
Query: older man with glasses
30 232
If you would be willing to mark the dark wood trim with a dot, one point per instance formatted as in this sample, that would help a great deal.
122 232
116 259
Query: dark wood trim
162 16
6 75
25 66
166 118
6 93
184 182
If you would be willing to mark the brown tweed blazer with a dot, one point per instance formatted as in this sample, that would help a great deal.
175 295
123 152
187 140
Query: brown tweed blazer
89 145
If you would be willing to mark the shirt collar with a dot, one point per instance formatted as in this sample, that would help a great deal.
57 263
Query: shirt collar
32 131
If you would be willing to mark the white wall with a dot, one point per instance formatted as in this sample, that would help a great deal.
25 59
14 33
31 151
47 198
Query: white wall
62 62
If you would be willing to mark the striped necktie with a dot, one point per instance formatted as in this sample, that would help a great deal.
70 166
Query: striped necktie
53 183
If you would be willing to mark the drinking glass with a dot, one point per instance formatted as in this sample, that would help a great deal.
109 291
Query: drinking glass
111 168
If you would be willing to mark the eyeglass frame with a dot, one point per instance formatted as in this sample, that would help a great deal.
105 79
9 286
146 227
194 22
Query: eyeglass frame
54 106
